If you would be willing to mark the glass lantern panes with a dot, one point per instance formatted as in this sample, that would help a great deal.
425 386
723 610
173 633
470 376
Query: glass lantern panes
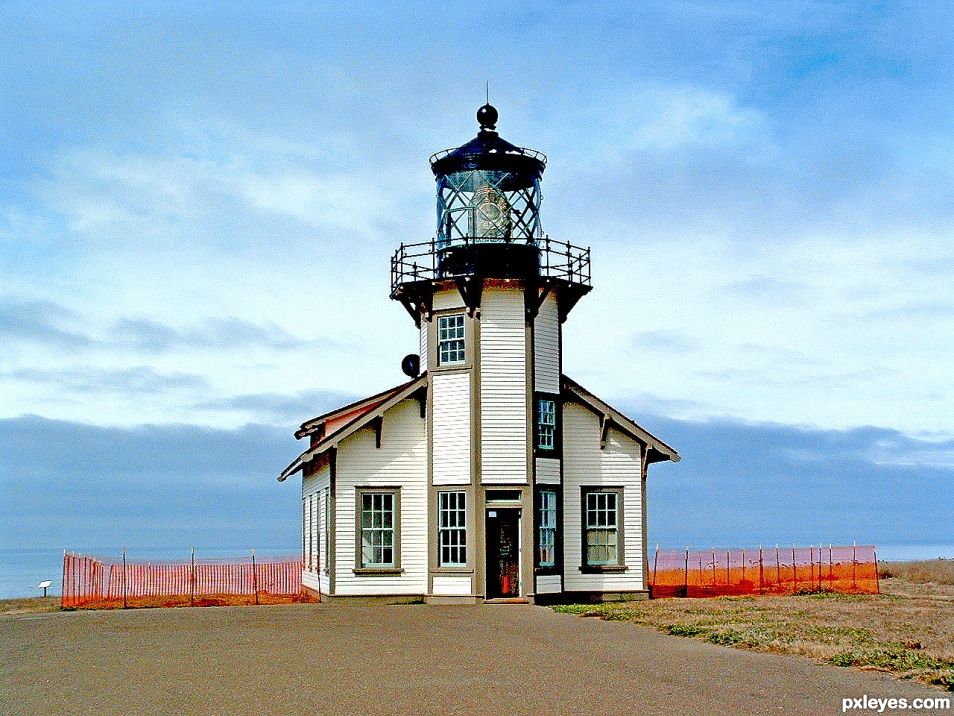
377 529
482 205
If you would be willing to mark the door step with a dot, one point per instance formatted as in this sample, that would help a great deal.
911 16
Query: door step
507 600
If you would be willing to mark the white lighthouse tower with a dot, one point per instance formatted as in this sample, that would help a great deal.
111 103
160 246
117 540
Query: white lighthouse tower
509 481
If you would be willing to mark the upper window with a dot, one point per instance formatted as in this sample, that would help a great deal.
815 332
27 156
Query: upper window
452 532
546 424
546 556
602 527
450 339
377 527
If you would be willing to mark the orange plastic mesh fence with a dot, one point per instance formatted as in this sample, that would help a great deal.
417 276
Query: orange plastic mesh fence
99 583
775 570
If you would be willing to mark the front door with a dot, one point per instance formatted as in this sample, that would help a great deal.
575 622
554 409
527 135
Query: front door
503 553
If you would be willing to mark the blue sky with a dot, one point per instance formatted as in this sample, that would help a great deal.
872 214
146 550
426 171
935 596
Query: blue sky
197 207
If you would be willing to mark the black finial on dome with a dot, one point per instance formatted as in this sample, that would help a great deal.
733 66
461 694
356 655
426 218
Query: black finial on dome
487 117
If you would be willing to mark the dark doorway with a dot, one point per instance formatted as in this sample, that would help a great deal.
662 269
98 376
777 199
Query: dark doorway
503 553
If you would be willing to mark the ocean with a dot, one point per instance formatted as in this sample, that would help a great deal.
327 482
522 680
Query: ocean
21 570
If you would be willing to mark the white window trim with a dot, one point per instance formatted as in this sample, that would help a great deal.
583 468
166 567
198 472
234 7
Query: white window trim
445 341
458 529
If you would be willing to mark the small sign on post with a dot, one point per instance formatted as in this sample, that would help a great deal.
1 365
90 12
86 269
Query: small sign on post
44 585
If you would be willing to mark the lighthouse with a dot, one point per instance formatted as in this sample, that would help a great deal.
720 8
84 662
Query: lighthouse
489 475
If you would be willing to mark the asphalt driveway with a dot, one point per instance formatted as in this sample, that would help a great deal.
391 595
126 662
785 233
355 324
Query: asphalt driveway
321 659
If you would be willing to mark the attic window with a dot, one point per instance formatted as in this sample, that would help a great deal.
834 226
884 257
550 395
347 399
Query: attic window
450 339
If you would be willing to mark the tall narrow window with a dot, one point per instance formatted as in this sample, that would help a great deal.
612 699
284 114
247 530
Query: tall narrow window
546 424
601 527
378 535
548 521
326 500
452 534
316 540
304 532
450 339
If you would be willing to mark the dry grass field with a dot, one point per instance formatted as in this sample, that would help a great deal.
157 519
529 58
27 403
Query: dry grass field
907 630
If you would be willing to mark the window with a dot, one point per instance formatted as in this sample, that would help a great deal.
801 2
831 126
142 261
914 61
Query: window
452 533
450 339
546 424
602 520
326 502
377 529
547 521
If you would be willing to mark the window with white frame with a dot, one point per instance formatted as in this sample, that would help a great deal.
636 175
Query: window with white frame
326 504
546 424
450 339
547 537
377 528
601 527
316 539
452 529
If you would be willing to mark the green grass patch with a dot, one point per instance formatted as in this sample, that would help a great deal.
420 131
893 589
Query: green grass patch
684 629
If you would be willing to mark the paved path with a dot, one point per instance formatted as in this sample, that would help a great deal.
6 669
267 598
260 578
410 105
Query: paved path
317 659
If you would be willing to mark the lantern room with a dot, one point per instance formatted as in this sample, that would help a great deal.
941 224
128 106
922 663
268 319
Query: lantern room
488 190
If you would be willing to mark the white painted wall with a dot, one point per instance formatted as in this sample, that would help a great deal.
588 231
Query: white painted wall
503 386
549 584
444 300
315 488
401 461
548 470
618 465
455 585
546 347
451 425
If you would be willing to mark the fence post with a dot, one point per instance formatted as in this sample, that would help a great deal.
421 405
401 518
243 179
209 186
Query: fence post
831 576
124 578
877 576
713 568
254 577
686 575
761 572
728 580
63 583
811 567
742 579
794 571
192 580
854 562
655 562
778 569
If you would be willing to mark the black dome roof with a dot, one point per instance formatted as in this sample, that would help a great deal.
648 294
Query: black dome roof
488 151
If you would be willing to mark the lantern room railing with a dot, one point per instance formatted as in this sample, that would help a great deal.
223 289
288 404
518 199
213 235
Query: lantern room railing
412 263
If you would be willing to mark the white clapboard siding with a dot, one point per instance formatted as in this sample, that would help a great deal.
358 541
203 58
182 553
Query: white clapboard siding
445 300
453 585
425 327
316 487
548 471
451 416
401 461
584 464
549 584
546 347
503 386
